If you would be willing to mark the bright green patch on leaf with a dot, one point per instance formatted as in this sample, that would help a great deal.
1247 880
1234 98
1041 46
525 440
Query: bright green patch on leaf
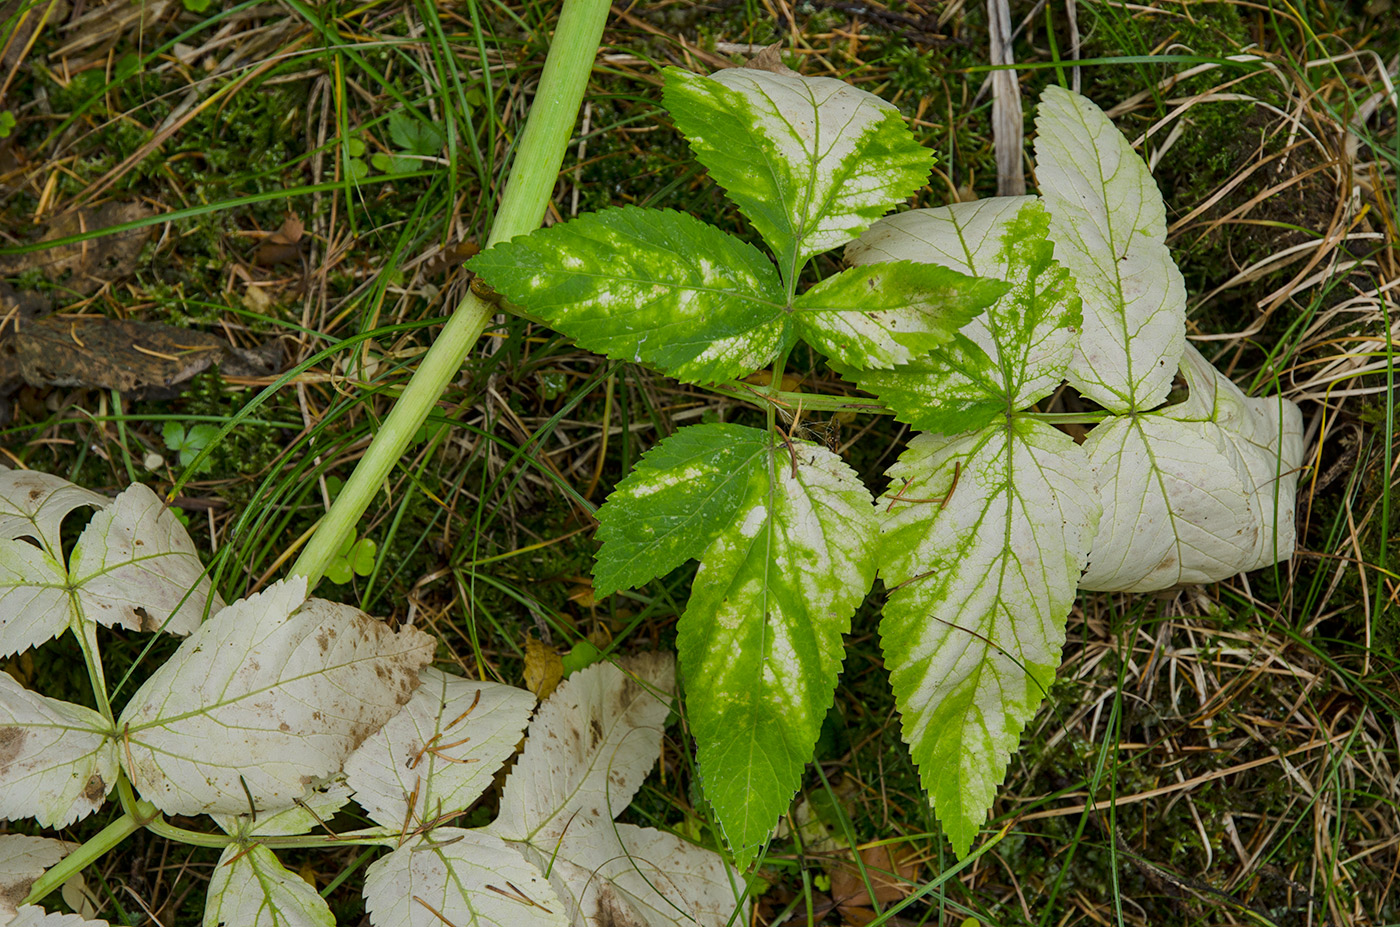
648 286
811 161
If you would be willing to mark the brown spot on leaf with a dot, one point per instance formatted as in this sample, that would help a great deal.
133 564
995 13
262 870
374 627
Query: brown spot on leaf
11 744
95 790
595 727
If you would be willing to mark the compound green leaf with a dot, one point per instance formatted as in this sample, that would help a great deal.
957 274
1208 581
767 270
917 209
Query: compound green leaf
442 750
22 861
135 567
250 888
983 539
811 161
678 498
1005 359
263 699
1195 492
1109 226
760 640
467 878
648 286
57 760
880 315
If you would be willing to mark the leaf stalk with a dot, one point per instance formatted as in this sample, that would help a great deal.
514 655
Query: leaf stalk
523 204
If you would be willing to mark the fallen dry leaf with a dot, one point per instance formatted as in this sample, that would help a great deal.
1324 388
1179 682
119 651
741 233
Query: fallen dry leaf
891 871
282 246
544 668
85 267
93 352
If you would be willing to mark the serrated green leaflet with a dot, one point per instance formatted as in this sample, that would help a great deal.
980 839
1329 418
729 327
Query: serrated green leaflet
1009 357
1110 229
648 286
880 315
760 641
680 496
983 538
811 161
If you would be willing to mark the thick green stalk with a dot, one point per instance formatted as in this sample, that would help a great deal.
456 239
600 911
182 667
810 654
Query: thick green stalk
532 178
89 852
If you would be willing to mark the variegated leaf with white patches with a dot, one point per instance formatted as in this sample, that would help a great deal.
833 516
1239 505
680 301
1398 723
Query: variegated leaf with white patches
1005 359
760 640
811 161
263 699
648 286
886 314
678 498
983 540
1109 226
251 888
57 760
442 749
467 878
135 566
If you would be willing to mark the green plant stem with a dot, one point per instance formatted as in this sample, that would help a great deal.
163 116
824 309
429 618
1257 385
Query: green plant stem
532 178
86 633
83 856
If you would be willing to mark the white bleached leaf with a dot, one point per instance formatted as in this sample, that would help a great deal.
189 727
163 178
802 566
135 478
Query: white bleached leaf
1264 439
305 816
639 875
590 746
982 582
263 699
250 888
34 916
443 748
1175 509
57 760
34 504
1109 228
22 860
135 566
34 603
467 878
1196 492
